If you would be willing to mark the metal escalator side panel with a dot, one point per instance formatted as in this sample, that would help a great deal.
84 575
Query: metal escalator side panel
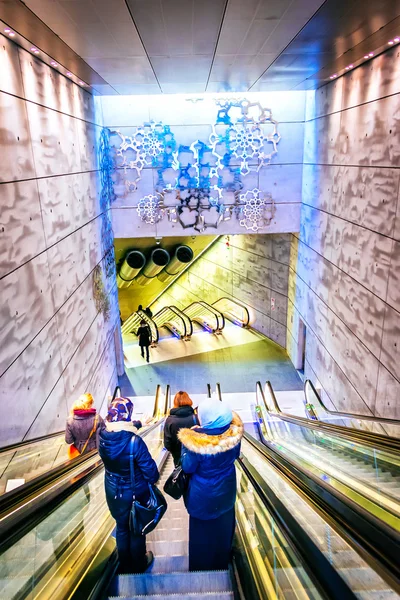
380 541
51 558
285 559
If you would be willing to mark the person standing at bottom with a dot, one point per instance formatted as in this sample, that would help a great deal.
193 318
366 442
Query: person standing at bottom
144 335
209 452
114 449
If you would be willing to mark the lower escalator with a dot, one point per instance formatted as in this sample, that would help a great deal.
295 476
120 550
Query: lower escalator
287 544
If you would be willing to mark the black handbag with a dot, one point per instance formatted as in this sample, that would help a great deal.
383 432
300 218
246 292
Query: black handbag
144 519
177 483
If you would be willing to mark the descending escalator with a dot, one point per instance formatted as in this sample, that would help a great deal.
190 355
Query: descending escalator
290 543
359 463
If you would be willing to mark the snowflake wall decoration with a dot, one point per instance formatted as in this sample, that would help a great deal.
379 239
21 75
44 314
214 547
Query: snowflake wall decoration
150 209
256 209
201 175
198 209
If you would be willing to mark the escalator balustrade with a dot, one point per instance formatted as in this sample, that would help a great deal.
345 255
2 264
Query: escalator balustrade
366 471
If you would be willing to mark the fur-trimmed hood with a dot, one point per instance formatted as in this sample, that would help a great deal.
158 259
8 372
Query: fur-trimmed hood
202 443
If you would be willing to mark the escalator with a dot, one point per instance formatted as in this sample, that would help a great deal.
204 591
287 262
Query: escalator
363 465
289 542
176 321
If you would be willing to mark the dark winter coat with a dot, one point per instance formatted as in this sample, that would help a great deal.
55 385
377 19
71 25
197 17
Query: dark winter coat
78 429
209 456
114 449
144 335
179 418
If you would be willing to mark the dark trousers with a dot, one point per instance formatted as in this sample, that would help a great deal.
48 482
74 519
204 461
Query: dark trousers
210 542
142 349
131 548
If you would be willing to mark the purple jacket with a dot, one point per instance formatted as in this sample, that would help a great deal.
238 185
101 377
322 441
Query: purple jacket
78 429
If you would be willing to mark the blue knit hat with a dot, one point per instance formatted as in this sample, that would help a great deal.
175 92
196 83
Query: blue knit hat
120 410
214 414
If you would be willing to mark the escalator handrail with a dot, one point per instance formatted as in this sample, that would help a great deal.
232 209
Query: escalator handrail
143 316
217 313
368 438
14 526
315 563
171 309
337 413
41 438
187 319
379 542
167 399
238 304
201 305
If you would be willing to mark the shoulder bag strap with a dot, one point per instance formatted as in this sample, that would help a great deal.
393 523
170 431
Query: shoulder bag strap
90 434
132 464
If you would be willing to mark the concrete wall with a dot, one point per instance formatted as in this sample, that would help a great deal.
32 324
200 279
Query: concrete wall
345 265
252 269
190 121
54 344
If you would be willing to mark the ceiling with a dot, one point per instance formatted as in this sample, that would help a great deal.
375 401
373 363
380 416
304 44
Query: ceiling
169 46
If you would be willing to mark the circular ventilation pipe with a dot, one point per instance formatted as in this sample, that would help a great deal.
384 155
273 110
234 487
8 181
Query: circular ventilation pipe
132 265
159 258
183 256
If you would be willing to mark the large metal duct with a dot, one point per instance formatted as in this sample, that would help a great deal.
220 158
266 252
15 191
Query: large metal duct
183 255
132 265
158 260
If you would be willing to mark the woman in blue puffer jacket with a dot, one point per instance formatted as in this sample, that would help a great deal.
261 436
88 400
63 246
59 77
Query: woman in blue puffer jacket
209 452
114 449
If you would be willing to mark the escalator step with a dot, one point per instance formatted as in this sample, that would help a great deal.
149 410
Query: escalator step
187 596
170 564
174 583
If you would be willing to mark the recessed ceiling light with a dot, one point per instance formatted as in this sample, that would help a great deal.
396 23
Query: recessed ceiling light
371 54
366 56
391 42
69 74
82 83
54 64
351 66
11 34
34 50
7 30
397 40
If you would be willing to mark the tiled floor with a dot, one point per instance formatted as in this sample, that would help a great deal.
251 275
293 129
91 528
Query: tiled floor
236 368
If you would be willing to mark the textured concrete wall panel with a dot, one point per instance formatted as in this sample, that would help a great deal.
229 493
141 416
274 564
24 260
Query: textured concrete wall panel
21 232
55 141
31 378
11 78
15 144
68 202
73 258
26 306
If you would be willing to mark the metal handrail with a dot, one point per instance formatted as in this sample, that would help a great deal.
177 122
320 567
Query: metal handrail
167 399
199 307
308 383
160 321
242 306
218 314
368 438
